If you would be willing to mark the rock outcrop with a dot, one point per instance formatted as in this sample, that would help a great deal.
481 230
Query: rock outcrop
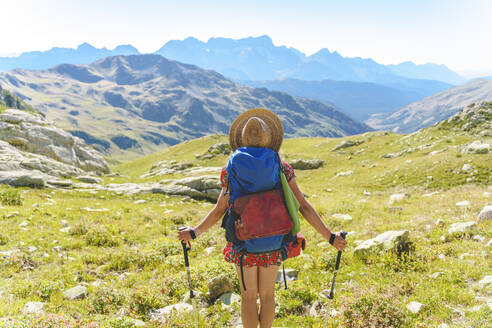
33 152
306 164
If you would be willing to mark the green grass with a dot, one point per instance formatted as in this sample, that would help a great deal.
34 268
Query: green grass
132 254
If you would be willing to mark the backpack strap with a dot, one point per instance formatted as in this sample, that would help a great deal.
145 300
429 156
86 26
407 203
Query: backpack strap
242 273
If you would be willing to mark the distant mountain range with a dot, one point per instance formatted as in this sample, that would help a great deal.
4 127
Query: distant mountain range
357 99
434 108
132 105
252 58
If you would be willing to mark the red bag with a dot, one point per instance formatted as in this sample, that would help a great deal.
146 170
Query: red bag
262 215
294 248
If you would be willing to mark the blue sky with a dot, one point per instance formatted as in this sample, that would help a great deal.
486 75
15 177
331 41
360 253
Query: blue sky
451 32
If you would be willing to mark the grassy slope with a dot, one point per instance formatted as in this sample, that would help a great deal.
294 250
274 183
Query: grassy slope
139 239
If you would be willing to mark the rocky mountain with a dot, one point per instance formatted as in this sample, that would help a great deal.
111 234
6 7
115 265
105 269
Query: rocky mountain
34 152
83 54
427 71
358 99
434 108
257 58
132 105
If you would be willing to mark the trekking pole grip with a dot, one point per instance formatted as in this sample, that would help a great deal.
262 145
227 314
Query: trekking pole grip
339 256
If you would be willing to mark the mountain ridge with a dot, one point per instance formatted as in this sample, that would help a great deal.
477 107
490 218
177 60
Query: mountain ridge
140 103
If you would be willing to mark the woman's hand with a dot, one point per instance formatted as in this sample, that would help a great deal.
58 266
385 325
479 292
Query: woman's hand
339 243
184 234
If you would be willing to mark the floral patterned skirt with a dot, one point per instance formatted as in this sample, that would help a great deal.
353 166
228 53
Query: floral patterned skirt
250 260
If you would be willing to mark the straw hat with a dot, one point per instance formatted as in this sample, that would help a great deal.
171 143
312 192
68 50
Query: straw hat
256 127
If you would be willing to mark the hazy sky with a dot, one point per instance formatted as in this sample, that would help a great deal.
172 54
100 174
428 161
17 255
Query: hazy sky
452 32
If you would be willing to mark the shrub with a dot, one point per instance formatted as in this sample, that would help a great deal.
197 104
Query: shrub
11 198
3 239
372 311
142 301
295 299
100 237
105 300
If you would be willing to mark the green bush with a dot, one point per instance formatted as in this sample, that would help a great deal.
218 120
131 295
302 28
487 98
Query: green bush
11 198
142 301
105 301
372 311
100 237
3 239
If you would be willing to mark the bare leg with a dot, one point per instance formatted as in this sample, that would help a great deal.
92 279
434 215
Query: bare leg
249 309
266 287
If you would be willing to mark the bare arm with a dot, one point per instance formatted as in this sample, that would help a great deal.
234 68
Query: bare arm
210 219
311 216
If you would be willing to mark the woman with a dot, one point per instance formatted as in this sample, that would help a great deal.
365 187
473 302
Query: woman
258 128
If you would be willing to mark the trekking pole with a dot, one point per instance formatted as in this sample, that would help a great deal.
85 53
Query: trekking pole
337 265
186 248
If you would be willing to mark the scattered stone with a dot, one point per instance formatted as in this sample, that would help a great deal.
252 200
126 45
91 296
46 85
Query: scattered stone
461 227
89 209
345 217
23 224
479 238
436 274
60 183
464 203
229 298
486 194
290 275
485 213
476 147
489 244
345 173
90 179
64 223
383 242
140 201
67 229
440 222
57 248
222 148
430 194
466 168
486 281
443 325
218 286
347 143
306 164
75 293
209 250
414 307
398 197
441 256
31 249
33 308
367 193
164 313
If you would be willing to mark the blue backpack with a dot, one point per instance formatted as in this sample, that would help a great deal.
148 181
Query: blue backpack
253 170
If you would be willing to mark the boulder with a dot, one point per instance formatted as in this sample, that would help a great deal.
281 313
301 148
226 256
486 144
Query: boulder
89 179
33 308
290 275
218 286
202 187
389 240
463 203
461 227
222 148
345 173
485 213
229 298
32 133
75 293
476 147
24 178
347 143
345 217
466 168
306 164
164 313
